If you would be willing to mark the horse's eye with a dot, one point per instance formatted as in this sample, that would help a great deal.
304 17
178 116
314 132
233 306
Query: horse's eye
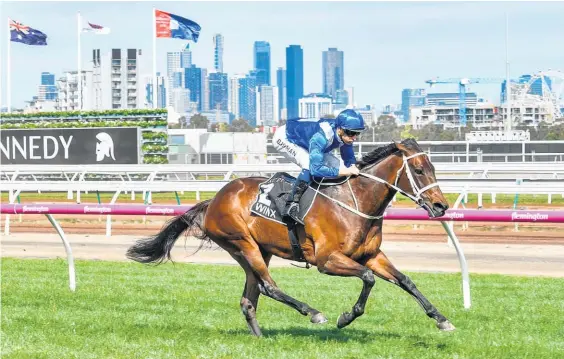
419 171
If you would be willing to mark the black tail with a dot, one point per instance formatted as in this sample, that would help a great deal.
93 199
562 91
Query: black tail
155 248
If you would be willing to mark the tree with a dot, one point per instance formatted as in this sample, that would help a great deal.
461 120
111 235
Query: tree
199 121
182 122
223 127
219 127
406 133
240 125
386 121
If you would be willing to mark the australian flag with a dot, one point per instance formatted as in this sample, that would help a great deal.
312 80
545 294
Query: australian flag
176 27
25 34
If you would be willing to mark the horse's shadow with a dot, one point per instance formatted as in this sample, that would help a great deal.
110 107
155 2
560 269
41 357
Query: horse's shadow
331 334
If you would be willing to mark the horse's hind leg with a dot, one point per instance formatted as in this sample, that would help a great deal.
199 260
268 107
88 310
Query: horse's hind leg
251 293
268 287
384 269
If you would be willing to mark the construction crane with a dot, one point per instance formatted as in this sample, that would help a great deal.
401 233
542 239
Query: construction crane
462 83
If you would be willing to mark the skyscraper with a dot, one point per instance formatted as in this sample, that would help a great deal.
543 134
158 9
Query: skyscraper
218 91
267 106
176 61
205 98
193 82
247 98
333 71
294 79
234 94
218 52
261 55
281 84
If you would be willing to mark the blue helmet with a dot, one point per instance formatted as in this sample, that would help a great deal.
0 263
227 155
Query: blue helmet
350 120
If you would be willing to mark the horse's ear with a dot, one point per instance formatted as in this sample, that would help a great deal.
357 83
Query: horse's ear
400 146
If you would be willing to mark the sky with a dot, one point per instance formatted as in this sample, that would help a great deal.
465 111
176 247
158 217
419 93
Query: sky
388 46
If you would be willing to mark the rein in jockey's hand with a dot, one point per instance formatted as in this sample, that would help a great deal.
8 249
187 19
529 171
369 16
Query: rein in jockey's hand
349 171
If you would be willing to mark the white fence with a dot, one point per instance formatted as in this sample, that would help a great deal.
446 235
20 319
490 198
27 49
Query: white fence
71 173
478 186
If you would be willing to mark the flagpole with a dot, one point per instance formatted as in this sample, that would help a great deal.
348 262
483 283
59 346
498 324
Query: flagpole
154 87
79 60
8 71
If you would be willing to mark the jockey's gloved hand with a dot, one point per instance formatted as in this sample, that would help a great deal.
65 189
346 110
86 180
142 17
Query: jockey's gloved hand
348 171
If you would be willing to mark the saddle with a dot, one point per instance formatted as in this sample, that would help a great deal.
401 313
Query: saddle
271 201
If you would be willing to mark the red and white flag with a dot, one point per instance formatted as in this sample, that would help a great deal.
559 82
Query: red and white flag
97 29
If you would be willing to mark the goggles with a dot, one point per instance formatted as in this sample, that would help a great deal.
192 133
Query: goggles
351 133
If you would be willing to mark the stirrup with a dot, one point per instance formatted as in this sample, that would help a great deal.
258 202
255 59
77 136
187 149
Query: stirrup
296 207
296 215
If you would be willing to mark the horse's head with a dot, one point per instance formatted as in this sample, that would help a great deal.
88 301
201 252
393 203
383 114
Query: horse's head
416 178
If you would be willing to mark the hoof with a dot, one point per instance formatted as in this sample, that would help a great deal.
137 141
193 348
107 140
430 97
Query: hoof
446 326
344 320
318 318
254 329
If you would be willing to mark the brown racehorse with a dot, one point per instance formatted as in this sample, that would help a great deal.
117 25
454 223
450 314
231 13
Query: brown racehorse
341 236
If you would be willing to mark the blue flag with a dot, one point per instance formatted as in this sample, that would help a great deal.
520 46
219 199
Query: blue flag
176 27
25 34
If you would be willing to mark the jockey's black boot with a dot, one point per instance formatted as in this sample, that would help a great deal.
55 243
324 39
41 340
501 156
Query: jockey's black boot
292 209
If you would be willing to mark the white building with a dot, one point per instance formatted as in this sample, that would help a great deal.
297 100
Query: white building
350 93
233 93
37 105
315 106
180 100
205 90
527 111
480 115
369 115
268 108
68 93
483 114
117 80
200 146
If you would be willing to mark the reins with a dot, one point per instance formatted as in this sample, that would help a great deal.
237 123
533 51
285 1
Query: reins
405 166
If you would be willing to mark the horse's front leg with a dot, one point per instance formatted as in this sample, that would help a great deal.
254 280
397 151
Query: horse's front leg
384 269
339 264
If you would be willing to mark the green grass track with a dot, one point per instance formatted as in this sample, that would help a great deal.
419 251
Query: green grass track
127 310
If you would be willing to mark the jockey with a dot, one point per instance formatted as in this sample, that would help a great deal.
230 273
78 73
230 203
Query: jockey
309 142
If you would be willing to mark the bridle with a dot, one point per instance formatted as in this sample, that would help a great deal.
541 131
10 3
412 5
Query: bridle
414 187
416 197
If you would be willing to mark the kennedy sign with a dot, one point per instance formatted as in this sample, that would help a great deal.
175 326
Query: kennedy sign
70 146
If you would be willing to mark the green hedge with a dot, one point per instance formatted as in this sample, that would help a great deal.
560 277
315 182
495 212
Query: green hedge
85 114
154 136
143 123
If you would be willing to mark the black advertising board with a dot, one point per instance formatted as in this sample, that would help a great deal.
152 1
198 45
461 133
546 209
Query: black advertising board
70 146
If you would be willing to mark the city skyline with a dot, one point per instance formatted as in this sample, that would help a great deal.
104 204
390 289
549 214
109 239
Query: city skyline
388 46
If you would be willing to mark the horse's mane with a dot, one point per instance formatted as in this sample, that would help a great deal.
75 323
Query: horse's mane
380 153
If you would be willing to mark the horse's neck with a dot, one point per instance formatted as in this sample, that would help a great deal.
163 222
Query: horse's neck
382 194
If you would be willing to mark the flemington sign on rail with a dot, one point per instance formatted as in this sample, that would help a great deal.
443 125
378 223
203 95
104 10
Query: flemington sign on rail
69 146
